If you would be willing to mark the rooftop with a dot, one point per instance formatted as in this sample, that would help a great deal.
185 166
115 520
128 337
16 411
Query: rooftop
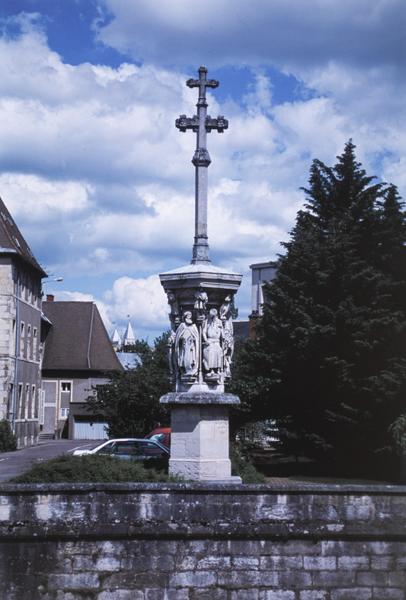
78 339
12 241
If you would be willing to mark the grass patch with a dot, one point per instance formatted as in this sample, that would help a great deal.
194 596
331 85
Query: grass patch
90 469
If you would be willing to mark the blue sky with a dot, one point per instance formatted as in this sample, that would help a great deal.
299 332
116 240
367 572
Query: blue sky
100 181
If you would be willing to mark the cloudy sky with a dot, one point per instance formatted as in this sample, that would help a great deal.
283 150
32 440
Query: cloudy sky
100 181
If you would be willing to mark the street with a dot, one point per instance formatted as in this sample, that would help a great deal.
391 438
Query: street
15 463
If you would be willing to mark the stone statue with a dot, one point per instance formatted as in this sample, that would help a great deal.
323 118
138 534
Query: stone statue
201 300
171 356
212 336
225 308
187 347
226 316
173 303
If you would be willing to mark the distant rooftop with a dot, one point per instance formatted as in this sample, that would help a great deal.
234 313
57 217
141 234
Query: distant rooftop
77 339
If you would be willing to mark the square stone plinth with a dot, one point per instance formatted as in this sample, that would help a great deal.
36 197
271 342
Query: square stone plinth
199 443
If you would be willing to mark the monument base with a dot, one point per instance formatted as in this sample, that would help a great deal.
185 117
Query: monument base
200 436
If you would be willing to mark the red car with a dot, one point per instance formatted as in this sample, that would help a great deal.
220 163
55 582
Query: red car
161 435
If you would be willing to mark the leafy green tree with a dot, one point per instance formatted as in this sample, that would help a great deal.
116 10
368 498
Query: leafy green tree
329 362
130 402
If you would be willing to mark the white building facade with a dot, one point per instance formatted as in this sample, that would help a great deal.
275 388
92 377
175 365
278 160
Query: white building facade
20 332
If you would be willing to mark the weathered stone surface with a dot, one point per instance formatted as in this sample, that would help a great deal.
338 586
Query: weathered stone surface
198 398
202 542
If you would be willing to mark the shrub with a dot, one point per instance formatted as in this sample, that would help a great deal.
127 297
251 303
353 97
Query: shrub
241 465
7 438
89 469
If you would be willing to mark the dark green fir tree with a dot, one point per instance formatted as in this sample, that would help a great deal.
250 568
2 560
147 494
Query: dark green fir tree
330 354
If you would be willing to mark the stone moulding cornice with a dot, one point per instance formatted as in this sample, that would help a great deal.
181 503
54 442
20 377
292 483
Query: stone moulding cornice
200 273
199 398
225 277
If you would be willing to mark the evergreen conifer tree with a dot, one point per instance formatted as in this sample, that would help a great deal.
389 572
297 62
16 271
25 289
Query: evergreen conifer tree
330 357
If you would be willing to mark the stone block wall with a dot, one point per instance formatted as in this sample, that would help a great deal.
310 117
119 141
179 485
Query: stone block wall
202 542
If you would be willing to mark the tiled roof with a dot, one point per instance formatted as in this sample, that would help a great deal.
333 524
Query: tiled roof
78 339
12 241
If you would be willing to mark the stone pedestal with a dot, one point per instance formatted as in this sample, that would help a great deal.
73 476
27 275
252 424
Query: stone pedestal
200 436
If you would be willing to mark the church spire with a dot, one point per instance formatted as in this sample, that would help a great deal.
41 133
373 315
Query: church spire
129 337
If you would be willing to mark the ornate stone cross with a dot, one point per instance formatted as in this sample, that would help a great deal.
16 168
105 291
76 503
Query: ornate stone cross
201 124
201 344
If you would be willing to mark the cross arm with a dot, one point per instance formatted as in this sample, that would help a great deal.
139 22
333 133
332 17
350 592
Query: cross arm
220 123
211 83
184 123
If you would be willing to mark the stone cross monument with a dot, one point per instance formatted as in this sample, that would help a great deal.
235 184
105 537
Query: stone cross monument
201 300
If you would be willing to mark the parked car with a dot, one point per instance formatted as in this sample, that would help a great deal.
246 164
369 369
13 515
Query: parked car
161 435
151 452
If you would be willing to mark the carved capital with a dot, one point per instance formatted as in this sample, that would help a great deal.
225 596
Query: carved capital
201 158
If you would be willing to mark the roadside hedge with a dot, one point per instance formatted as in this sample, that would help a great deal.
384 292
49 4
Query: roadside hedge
89 469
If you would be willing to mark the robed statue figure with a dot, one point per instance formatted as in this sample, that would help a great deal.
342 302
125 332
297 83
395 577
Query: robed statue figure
187 347
212 335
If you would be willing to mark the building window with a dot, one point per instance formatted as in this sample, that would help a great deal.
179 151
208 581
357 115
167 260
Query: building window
34 403
20 400
27 408
13 339
64 413
66 387
29 341
35 343
22 339
65 391
10 407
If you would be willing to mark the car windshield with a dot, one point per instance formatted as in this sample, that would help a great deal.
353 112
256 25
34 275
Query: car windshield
132 448
158 437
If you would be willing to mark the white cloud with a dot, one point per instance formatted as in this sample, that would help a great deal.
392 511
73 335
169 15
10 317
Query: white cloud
42 199
281 32
143 300
92 152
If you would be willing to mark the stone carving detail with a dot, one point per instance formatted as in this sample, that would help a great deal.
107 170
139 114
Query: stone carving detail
226 315
212 338
201 158
201 343
220 124
187 348
184 123
201 300
172 357
174 315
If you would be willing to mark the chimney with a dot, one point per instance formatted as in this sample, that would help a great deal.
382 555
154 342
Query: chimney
50 297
